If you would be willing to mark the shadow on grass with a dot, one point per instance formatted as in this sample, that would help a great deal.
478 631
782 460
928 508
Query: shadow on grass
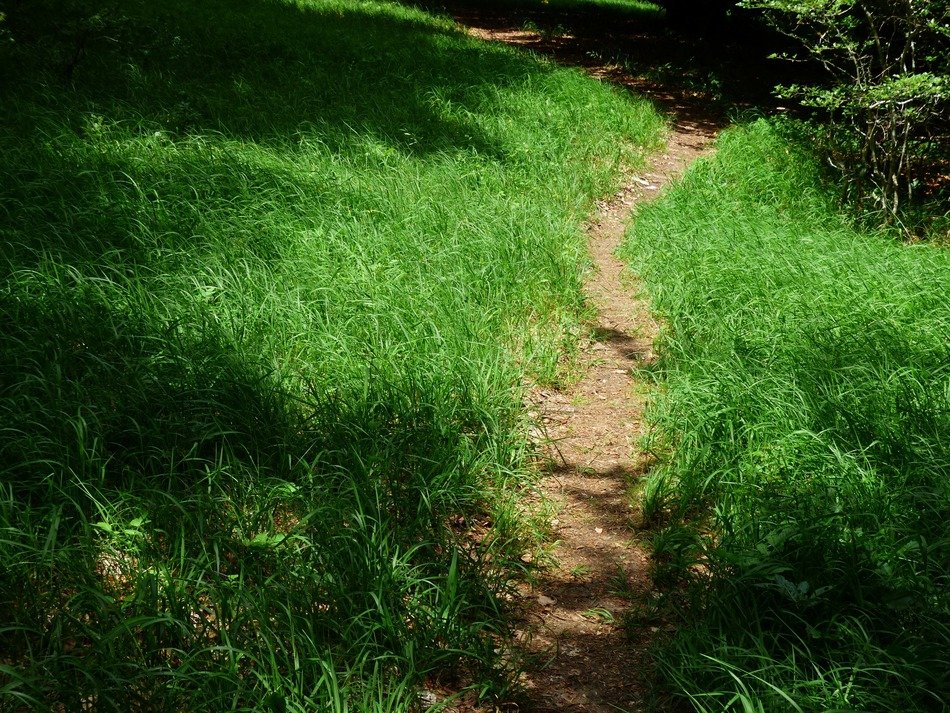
267 72
163 498
114 104
694 64
107 170
98 391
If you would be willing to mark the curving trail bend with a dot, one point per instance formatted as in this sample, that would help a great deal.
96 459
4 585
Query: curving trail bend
580 658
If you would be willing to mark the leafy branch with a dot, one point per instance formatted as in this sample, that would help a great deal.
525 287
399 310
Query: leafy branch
885 96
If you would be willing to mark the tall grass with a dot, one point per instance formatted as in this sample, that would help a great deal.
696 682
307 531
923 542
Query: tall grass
802 428
567 9
641 9
273 276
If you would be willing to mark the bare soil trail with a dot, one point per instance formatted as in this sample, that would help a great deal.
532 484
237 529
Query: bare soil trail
581 659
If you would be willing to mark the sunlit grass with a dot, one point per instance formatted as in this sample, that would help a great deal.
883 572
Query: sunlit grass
274 275
802 434
642 8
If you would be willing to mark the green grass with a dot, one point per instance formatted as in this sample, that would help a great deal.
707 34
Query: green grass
801 423
643 8
273 277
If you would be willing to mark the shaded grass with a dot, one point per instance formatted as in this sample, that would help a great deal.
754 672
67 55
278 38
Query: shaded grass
642 8
692 55
802 430
628 9
273 277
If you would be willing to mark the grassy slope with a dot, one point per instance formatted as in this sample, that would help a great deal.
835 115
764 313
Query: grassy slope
267 274
804 419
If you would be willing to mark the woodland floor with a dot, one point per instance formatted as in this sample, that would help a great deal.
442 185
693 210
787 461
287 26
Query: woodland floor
581 659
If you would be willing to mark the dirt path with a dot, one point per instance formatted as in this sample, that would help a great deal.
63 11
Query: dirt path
588 662
581 658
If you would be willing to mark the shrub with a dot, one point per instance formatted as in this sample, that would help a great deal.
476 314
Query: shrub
885 100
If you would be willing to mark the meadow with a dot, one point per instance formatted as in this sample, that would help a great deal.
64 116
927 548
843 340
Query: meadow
800 510
275 276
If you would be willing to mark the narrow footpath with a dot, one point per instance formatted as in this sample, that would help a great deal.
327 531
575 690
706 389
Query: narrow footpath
580 657
589 662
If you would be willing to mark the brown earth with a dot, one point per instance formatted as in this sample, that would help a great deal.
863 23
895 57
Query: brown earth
574 614
580 657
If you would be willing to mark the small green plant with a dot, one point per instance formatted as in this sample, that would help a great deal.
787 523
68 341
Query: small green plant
620 584
580 571
676 549
645 612
545 31
600 614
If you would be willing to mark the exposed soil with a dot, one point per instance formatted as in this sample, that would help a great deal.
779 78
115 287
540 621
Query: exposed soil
581 659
